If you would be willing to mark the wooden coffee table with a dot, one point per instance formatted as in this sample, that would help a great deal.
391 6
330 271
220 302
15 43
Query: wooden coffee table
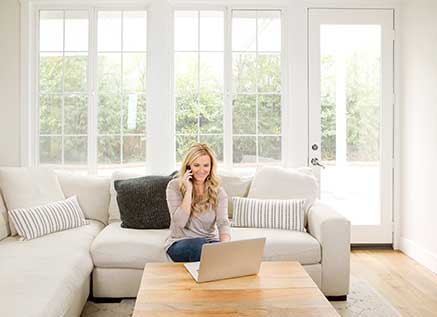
280 289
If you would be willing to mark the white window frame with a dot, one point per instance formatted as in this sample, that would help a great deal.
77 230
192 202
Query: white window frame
160 146
228 164
30 131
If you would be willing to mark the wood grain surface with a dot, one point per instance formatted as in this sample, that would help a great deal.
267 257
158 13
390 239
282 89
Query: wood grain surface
280 289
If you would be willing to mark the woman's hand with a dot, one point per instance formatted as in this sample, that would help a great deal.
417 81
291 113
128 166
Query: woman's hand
225 237
187 179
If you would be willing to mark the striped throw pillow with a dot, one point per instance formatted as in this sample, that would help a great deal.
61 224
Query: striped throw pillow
52 217
269 213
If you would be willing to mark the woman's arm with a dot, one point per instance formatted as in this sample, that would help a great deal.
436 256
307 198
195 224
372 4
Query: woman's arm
222 219
179 207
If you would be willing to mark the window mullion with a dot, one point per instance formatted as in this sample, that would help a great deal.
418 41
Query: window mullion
121 93
198 76
63 91
227 111
256 89
92 92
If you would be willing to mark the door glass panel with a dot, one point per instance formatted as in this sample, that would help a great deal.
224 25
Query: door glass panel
350 69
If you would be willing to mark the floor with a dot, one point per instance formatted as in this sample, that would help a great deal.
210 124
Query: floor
408 286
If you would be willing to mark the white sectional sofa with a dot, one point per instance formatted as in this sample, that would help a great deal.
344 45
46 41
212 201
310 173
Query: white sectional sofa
55 274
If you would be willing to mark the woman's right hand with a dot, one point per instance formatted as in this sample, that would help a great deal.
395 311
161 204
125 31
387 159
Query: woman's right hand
187 179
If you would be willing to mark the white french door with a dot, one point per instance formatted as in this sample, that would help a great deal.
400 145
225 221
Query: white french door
350 146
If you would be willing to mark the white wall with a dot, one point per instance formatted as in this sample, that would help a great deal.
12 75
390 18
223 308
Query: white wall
418 88
9 83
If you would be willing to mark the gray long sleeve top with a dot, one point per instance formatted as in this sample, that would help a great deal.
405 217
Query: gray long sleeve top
206 224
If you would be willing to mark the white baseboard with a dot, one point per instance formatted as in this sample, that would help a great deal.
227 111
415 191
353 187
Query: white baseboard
418 253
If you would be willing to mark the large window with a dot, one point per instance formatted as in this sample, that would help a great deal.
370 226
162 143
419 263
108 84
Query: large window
215 78
121 82
92 119
63 87
256 99
199 67
253 71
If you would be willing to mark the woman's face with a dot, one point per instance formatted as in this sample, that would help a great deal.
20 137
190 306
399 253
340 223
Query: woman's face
201 168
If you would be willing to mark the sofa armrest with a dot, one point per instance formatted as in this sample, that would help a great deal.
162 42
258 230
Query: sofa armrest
333 232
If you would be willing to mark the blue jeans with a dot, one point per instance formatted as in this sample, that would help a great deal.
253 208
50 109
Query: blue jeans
188 250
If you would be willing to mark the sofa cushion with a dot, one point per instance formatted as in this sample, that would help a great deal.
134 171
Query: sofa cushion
4 225
116 247
92 193
235 186
128 248
142 202
28 187
41 220
43 277
283 245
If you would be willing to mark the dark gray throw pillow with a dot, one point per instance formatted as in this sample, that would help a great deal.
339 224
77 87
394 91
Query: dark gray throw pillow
142 202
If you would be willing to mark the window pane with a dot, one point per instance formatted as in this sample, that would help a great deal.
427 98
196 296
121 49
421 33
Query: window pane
269 73
108 149
50 114
50 151
244 149
75 73
244 114
76 31
269 114
76 115
211 31
186 30
183 143
51 31
269 31
186 73
244 72
186 114
134 149
75 149
109 72
211 72
134 30
243 30
134 72
109 115
50 72
134 113
215 142
327 105
109 31
211 113
269 149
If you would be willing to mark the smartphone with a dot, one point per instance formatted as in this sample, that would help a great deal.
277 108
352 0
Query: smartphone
189 169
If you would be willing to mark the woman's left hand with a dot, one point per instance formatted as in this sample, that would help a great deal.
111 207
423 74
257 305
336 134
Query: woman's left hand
225 237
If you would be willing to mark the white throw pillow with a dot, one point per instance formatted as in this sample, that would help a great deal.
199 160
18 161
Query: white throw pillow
28 187
280 183
4 226
39 221
269 213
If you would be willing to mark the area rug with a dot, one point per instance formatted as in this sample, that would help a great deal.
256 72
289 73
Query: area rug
363 301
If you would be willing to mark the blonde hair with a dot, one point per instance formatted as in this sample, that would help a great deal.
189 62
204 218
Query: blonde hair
212 182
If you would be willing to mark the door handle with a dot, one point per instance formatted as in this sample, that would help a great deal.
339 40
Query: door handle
315 161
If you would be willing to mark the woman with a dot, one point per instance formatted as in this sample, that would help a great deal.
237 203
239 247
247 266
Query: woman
198 206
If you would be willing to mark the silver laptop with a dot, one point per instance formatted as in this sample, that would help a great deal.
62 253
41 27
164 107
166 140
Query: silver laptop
229 259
